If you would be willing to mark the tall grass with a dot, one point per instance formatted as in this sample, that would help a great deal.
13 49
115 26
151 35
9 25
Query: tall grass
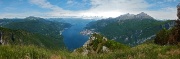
23 52
143 51
148 51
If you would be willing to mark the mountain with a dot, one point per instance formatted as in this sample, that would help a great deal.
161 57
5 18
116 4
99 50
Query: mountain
37 25
23 38
129 29
141 15
42 32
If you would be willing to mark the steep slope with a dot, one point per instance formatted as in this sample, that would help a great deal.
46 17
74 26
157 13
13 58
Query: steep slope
41 31
129 29
38 25
99 47
23 38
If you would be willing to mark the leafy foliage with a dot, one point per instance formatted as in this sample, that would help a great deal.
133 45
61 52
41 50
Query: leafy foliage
111 44
162 37
170 36
115 45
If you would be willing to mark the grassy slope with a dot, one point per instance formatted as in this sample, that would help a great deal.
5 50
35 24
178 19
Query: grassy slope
143 51
29 52
147 50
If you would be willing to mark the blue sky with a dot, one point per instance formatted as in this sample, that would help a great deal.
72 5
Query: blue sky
160 9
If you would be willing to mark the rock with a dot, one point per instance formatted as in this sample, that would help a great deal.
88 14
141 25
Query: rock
98 44
85 52
94 45
105 49
86 44
1 39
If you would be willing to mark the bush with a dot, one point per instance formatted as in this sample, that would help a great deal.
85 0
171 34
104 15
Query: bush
162 37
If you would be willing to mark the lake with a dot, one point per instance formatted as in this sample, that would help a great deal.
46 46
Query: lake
72 37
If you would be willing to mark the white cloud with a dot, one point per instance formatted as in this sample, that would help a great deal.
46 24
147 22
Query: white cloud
46 4
56 11
105 8
114 8
169 0
164 13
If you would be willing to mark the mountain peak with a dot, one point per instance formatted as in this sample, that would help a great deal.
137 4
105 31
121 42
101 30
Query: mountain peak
32 18
141 15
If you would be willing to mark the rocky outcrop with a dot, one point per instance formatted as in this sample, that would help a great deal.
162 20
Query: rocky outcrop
95 44
1 40
6 37
98 44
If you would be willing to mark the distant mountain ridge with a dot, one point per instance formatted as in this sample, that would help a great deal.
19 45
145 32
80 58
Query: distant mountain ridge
141 15
36 25
129 29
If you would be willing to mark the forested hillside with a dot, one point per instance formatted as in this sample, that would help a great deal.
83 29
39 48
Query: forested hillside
34 31
129 29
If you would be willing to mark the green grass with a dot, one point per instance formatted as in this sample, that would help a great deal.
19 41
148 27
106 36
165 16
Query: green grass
148 51
24 52
31 52
143 51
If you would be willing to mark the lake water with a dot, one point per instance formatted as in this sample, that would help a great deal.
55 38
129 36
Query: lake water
72 37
